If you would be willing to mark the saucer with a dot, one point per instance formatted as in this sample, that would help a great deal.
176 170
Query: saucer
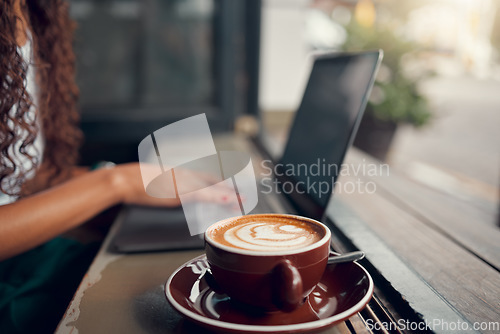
344 290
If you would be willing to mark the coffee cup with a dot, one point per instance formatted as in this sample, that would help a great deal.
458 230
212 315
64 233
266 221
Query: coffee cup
268 261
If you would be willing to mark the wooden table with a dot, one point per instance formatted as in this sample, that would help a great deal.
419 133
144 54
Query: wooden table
125 294
431 248
428 264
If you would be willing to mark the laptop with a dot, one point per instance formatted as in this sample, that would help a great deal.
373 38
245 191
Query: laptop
302 180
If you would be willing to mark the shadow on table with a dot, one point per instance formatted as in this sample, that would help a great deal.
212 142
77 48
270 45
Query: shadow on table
155 315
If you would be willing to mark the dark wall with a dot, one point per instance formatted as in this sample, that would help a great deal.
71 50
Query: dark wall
144 64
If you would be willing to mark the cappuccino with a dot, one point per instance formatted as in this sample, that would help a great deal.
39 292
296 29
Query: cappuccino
267 233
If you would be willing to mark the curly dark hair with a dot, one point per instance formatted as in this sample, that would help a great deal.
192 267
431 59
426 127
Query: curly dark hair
52 32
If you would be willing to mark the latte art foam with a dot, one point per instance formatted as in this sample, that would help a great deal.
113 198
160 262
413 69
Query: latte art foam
268 233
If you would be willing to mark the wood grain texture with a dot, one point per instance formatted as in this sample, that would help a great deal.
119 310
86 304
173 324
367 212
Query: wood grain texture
459 220
464 280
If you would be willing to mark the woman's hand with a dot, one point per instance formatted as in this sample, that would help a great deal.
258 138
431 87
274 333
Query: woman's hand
127 179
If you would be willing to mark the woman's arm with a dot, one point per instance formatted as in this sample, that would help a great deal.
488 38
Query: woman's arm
36 219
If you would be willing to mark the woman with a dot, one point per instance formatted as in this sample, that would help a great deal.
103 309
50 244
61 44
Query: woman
42 192
39 129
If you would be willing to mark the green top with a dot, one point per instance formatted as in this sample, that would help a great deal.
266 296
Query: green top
37 286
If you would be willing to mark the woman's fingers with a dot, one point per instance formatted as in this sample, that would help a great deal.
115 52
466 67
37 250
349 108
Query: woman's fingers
190 185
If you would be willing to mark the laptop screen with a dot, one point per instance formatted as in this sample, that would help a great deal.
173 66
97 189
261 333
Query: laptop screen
326 123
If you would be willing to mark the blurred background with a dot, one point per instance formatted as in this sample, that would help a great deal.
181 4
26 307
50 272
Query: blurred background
434 113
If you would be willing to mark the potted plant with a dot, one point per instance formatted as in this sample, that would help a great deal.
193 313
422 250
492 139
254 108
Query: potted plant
395 97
